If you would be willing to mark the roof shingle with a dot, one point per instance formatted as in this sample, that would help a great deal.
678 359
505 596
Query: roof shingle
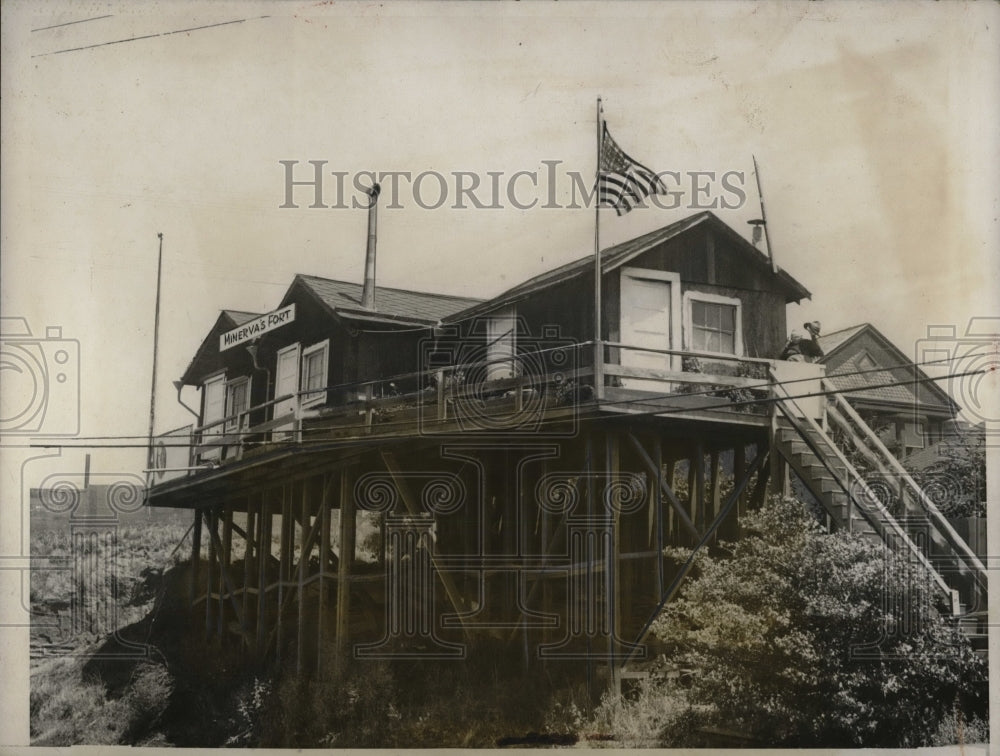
613 257
396 303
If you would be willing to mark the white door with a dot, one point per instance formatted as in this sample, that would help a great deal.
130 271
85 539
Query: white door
650 319
286 380
214 397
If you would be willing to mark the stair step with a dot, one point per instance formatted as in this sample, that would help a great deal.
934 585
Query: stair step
826 483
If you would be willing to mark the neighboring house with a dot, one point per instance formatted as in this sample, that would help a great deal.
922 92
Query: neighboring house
956 436
907 409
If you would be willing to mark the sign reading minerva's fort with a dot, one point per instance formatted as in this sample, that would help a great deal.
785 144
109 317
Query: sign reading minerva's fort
254 328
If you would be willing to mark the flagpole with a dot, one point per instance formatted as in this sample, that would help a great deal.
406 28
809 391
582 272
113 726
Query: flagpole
156 339
598 346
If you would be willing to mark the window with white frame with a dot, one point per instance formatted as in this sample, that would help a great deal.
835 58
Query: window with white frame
315 365
237 403
713 323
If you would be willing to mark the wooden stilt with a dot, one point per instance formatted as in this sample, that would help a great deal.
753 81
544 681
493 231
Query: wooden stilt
324 563
304 551
716 479
762 485
195 555
612 565
697 481
210 515
778 468
592 508
545 525
657 502
248 570
284 559
225 559
347 533
669 468
739 470
263 562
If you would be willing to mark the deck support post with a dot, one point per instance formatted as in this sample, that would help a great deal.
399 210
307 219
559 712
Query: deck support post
324 563
668 471
284 556
613 561
263 561
210 518
778 467
657 502
224 560
716 475
347 533
759 495
739 470
300 644
696 487
195 555
248 570
545 524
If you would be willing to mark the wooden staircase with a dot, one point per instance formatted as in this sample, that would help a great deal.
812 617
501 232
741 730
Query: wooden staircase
899 515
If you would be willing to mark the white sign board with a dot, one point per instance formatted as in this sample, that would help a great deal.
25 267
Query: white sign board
256 327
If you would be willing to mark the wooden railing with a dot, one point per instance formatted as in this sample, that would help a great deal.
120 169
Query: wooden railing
547 381
913 500
850 481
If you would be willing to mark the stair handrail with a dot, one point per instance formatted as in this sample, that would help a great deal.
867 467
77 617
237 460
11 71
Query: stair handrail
880 526
938 519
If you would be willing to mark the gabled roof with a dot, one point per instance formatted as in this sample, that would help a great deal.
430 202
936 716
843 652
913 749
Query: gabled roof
851 374
207 353
830 342
620 254
343 299
239 317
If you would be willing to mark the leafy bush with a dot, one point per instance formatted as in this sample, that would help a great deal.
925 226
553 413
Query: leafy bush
798 639
957 481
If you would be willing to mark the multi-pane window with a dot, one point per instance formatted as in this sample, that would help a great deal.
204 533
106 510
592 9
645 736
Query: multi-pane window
315 360
713 327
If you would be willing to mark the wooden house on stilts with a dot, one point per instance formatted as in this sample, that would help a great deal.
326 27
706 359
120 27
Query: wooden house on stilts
410 478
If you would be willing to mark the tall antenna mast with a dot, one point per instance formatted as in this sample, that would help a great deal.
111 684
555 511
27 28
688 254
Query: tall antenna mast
763 217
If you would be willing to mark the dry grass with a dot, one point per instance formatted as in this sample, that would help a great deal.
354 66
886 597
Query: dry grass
67 705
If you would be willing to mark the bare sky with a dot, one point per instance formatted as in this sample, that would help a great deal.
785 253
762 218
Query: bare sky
875 126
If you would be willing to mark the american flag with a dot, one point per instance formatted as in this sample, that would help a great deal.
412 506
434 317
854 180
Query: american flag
622 183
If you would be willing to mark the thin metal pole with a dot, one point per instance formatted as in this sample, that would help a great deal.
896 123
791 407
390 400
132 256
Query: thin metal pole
598 348
156 341
763 216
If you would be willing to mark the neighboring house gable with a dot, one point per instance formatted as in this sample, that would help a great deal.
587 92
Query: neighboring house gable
898 399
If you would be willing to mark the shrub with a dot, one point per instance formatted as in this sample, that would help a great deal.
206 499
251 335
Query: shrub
797 640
